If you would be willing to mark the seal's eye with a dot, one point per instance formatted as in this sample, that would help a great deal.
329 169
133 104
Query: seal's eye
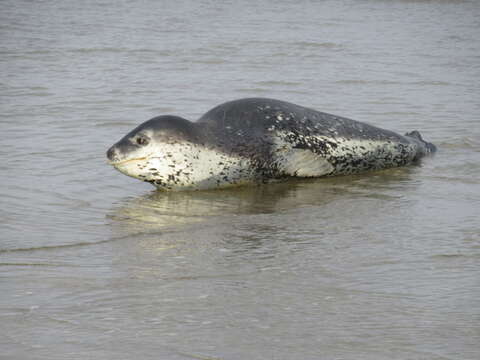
142 140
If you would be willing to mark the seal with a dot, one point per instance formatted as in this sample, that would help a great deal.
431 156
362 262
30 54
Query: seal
257 140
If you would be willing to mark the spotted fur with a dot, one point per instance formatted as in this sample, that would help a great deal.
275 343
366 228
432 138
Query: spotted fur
257 140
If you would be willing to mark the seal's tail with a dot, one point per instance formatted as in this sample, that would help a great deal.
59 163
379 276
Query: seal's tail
430 148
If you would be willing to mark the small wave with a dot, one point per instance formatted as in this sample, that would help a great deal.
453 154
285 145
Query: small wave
54 247
351 82
452 179
313 44
209 61
253 90
364 82
120 50
462 143
291 91
37 93
95 50
114 124
162 110
277 82
453 256
432 83
395 113
36 264
23 53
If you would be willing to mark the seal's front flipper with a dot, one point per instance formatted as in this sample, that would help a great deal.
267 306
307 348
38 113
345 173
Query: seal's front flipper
302 163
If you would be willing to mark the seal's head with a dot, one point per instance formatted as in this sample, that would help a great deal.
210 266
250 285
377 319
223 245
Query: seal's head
158 151
175 154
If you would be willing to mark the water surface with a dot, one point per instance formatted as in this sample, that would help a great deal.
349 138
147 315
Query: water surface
94 264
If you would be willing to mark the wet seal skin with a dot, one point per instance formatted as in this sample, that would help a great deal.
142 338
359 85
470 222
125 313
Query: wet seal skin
258 140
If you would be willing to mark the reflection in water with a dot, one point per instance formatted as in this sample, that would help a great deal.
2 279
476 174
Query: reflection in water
230 233
164 211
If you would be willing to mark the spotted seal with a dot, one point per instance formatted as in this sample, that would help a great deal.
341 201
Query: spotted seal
256 140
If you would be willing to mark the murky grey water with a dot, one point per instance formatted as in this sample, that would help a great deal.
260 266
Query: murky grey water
95 265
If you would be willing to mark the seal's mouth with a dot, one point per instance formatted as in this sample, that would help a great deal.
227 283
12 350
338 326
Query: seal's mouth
121 162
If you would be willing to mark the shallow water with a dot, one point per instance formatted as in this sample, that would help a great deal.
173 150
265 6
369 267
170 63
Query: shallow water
94 264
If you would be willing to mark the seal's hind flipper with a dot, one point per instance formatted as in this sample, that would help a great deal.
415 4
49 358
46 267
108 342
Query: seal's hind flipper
415 134
430 148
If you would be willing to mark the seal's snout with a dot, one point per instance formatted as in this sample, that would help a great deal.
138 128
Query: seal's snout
112 154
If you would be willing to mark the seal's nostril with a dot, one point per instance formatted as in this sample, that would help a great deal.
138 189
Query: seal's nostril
111 153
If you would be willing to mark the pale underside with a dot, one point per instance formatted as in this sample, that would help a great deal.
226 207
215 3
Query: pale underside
187 166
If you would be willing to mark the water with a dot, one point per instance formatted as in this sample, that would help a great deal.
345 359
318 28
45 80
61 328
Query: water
98 265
